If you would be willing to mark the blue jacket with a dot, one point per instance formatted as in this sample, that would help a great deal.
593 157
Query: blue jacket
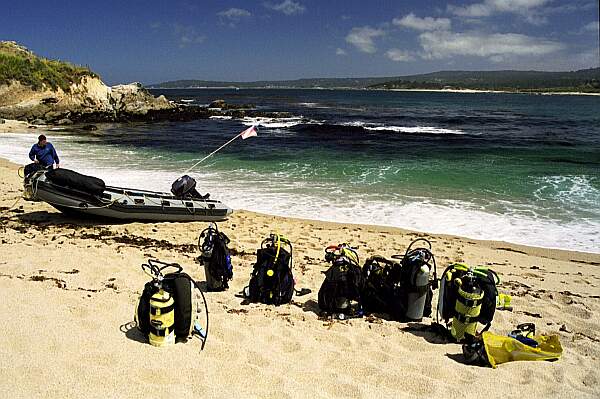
46 155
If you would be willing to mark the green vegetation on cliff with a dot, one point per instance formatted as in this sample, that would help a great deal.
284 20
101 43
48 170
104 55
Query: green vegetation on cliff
19 64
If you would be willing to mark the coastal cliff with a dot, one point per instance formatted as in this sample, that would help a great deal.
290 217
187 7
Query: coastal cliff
42 91
34 88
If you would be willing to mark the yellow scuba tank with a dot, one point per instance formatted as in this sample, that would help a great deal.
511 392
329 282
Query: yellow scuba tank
162 319
467 306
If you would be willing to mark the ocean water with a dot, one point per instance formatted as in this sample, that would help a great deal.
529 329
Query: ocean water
513 167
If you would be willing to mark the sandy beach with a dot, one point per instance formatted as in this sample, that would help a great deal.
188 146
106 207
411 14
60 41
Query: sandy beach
70 286
11 125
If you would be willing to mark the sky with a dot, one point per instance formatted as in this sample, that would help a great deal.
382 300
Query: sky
235 40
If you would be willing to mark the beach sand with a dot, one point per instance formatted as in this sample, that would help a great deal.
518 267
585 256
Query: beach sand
11 125
69 286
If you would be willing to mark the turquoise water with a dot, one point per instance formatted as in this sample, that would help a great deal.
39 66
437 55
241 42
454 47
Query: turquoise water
520 168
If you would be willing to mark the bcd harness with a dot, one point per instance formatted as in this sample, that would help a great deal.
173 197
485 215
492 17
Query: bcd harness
343 284
467 297
272 280
215 256
168 306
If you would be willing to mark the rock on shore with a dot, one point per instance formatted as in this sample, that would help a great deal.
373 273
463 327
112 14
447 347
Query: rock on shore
89 97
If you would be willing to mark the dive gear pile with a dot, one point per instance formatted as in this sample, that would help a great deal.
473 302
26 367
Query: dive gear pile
272 281
169 306
403 289
215 257
467 297
342 289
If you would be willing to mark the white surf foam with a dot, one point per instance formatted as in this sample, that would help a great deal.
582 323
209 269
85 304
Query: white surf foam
314 105
273 122
278 194
402 129
569 190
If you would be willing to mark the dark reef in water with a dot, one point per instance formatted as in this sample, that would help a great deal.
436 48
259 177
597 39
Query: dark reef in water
180 113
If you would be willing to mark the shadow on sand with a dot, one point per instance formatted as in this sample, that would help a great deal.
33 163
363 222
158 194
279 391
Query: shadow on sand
131 332
45 218
433 333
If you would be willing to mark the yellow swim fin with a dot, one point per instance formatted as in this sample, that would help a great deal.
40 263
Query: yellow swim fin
501 349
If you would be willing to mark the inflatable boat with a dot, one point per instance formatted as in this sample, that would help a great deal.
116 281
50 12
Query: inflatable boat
74 193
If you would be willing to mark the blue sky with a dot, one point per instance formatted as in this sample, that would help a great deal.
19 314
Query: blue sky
153 41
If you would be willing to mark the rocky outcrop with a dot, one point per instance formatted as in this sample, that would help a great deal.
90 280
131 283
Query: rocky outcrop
90 97
42 91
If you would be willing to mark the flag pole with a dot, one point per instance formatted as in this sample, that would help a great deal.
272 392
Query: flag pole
212 153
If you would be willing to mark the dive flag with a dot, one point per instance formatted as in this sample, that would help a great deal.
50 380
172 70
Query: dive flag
250 132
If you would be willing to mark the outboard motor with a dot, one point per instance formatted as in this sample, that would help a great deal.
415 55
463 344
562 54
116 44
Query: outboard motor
185 186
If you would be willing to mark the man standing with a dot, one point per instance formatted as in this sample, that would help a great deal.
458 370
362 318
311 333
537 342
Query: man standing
44 153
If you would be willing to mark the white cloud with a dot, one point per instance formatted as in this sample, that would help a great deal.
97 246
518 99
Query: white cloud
363 38
288 7
489 7
422 24
187 35
442 44
234 15
398 55
340 51
591 27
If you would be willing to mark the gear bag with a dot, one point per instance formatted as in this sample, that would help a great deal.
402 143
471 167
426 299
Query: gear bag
342 288
215 256
272 281
76 181
183 290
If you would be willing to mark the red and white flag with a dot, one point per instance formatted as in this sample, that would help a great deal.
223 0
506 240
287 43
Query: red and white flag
250 132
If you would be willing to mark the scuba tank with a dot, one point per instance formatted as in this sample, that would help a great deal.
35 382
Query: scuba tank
416 298
162 319
417 265
467 307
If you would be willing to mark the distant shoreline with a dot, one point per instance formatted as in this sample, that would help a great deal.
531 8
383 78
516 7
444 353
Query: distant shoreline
460 91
